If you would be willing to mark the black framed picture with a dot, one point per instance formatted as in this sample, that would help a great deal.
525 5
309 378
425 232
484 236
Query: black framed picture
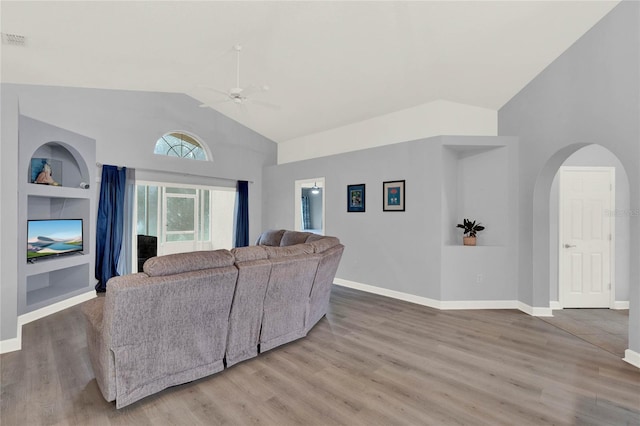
393 196
356 198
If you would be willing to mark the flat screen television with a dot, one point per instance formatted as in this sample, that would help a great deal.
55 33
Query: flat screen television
53 237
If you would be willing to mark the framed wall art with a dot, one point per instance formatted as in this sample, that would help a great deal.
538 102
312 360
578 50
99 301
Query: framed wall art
393 196
356 198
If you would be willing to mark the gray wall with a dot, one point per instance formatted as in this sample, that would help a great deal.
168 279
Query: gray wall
125 125
408 251
589 95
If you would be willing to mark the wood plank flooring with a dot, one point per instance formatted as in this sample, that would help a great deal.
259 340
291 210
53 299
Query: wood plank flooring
606 328
371 361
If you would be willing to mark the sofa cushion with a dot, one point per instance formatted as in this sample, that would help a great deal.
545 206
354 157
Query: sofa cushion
276 252
291 238
185 262
271 238
247 254
323 244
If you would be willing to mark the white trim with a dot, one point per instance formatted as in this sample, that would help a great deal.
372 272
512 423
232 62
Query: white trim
535 311
425 301
620 304
632 357
11 345
446 304
15 344
478 304
612 228
56 307
555 305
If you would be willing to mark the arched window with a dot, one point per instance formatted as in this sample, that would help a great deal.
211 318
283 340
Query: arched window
176 144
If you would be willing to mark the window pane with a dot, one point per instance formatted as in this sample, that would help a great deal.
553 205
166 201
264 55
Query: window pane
179 237
141 227
180 214
179 145
205 217
190 191
147 205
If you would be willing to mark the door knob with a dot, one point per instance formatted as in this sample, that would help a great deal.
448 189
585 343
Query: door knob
569 245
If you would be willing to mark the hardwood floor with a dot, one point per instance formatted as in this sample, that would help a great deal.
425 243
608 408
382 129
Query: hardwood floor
606 328
372 361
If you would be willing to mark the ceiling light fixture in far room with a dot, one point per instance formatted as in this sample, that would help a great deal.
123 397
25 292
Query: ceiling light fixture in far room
315 189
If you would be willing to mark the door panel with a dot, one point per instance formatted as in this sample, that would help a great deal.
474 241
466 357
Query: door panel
585 240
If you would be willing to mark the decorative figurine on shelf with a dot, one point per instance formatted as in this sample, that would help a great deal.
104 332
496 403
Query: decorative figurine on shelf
44 177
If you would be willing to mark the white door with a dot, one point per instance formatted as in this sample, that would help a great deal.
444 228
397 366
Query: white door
586 231
180 219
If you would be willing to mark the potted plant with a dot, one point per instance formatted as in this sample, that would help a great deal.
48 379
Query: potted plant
470 231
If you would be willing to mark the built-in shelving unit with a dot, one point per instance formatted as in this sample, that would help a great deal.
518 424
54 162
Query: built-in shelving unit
52 280
479 182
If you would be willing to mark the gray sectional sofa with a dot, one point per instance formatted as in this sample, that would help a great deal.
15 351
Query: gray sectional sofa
190 314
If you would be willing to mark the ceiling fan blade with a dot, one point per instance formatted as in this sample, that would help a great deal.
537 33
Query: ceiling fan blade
252 88
242 107
266 105
211 104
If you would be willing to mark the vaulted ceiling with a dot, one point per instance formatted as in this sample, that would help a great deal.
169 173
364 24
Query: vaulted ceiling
327 63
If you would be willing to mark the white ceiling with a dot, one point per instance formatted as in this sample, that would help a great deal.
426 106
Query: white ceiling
327 63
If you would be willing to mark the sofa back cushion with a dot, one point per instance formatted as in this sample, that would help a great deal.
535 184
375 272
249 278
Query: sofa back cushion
248 254
186 262
271 237
291 238
278 252
323 244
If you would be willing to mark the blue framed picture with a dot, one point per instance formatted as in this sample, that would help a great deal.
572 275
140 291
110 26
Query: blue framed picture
393 196
356 198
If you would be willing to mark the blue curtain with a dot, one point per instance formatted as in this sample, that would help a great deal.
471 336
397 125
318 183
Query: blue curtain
110 224
129 222
242 214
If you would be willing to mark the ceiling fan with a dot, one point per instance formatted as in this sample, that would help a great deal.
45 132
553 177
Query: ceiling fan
238 94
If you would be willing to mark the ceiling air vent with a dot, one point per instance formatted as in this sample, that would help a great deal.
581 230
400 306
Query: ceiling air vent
14 39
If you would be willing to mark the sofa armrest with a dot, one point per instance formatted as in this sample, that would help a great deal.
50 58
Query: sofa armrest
93 311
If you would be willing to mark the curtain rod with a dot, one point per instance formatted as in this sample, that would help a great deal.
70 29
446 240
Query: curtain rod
179 173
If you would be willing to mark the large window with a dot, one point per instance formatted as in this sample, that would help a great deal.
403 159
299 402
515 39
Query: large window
181 145
186 218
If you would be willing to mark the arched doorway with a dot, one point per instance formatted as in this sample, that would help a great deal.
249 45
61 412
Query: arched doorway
542 240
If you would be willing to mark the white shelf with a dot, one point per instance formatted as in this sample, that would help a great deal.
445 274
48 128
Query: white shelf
49 191
43 265
51 280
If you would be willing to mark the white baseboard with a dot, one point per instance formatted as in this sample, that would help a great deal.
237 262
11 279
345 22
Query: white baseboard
632 357
11 345
425 301
619 304
535 311
478 304
445 304
15 344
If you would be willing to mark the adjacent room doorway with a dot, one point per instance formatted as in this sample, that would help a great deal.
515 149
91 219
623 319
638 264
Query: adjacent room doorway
309 199
586 231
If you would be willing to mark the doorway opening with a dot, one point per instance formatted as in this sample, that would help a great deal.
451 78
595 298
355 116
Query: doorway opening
177 218
309 206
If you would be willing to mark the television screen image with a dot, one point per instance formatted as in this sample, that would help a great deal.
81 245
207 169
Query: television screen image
53 237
